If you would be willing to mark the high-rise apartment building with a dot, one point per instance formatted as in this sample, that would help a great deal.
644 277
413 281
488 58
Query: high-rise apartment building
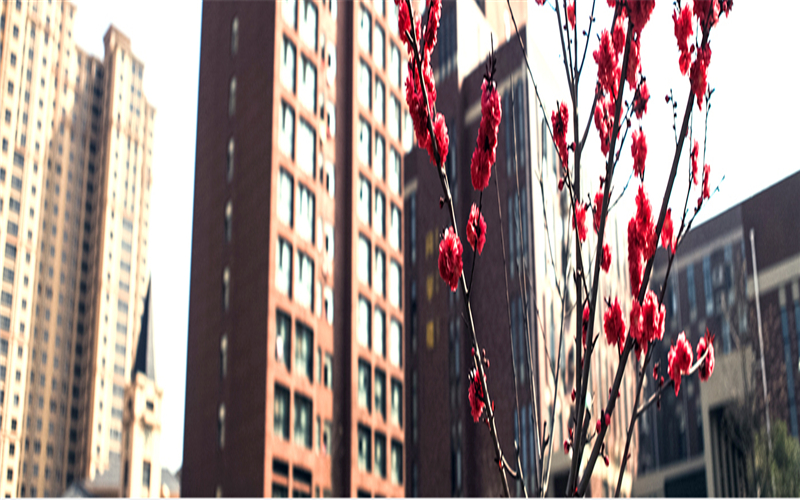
75 163
370 383
277 404
259 399
449 454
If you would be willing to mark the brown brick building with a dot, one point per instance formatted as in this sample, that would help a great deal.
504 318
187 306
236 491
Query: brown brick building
692 446
276 401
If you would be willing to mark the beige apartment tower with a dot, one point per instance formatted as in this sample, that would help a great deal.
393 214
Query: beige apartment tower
76 138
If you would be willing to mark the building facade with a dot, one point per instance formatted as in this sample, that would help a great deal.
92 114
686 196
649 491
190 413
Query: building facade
693 445
259 407
62 136
449 455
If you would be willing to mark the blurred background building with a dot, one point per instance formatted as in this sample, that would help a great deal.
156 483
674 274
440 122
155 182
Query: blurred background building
448 454
261 417
75 169
697 443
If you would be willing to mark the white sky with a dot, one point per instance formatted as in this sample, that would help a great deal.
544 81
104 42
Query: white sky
748 134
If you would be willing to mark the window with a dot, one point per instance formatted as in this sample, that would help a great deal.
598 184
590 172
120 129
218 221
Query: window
364 84
396 416
232 97
288 62
302 421
11 251
364 451
397 462
285 194
380 218
282 336
692 291
395 343
304 281
363 207
380 98
328 294
330 52
286 132
146 474
393 118
289 11
378 47
394 66
707 285
304 350
394 171
363 263
223 356
280 426
308 85
379 162
235 36
412 220
380 272
379 330
308 24
226 287
363 324
305 213
364 392
331 119
231 146
306 148
365 30
380 454
395 284
327 371
394 228
283 274
364 146
228 216
380 392
8 275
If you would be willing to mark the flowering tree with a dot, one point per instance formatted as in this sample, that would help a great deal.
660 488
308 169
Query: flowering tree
618 63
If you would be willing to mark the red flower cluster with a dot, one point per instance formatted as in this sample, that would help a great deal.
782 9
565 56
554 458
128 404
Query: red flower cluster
647 322
639 152
434 16
618 35
683 30
707 13
667 230
486 149
680 360
604 122
476 229
694 154
640 99
598 209
580 216
450 263
642 240
707 368
634 63
560 121
476 395
415 98
571 14
605 263
607 70
640 11
699 73
614 325
706 194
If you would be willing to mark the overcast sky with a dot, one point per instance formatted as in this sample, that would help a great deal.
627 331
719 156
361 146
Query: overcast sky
750 131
